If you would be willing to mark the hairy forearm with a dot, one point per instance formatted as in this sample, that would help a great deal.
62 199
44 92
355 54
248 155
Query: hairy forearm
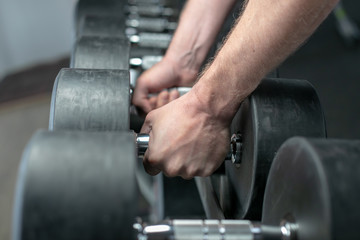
266 34
199 24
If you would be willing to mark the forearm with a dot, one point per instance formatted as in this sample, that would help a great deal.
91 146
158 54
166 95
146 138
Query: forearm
199 24
267 32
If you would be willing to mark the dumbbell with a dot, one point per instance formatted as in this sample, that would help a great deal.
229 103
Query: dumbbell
151 10
101 43
101 26
153 40
159 2
145 62
34 153
77 185
101 53
278 109
309 195
151 24
103 8
137 55
108 53
92 100
139 52
140 64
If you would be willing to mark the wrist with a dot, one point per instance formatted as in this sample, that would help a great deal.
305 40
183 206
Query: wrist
184 72
209 100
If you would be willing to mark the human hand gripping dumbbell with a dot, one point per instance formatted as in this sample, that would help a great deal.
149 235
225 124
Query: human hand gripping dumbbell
101 100
93 100
138 65
303 191
68 154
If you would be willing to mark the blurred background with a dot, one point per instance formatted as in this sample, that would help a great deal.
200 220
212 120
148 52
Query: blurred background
36 38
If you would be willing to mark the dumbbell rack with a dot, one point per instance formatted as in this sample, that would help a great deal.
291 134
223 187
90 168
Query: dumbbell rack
83 179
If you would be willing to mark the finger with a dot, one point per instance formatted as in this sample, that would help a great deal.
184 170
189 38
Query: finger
140 99
146 127
149 168
153 101
163 98
144 104
174 95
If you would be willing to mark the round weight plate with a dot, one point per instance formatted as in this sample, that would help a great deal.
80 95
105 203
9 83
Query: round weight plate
277 110
76 185
101 53
314 183
93 100
103 26
105 8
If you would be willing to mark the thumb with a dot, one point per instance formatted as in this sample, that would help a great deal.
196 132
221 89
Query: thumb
141 100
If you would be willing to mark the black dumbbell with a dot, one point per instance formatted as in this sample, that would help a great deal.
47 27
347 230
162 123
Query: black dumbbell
138 52
310 183
151 24
152 10
151 40
77 185
92 100
277 110
108 53
101 26
309 195
101 53
102 8
257 135
145 62
159 2
139 64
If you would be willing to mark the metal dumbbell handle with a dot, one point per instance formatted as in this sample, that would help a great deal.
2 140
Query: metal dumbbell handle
142 143
216 229
145 62
182 91
151 24
151 10
157 40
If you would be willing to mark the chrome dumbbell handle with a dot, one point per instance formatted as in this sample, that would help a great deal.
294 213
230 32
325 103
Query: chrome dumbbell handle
145 62
142 143
151 24
215 229
156 40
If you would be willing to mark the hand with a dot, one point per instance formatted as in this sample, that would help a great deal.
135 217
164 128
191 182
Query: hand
185 140
163 75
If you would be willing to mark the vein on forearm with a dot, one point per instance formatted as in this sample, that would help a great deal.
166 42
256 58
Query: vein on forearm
198 26
267 33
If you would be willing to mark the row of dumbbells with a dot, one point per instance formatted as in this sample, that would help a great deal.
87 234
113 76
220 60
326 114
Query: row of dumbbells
90 106
82 179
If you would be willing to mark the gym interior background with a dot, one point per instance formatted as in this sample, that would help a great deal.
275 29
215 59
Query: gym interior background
35 42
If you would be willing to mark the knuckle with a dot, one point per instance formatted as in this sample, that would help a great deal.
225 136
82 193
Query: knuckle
151 161
189 173
205 173
171 171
